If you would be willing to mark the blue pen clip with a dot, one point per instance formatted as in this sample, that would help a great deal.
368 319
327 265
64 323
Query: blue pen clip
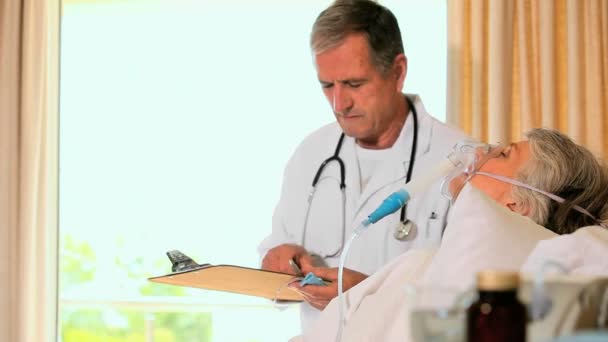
312 279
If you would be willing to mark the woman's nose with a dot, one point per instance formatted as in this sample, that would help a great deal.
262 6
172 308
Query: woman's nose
480 152
481 156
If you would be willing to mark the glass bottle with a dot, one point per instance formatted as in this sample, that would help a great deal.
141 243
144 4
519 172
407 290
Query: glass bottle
497 315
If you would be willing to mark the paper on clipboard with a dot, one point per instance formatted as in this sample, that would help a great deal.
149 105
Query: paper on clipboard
236 279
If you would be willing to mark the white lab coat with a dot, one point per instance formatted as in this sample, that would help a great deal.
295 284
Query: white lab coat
324 232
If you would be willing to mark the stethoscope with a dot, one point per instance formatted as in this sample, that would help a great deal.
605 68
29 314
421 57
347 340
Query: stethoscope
405 230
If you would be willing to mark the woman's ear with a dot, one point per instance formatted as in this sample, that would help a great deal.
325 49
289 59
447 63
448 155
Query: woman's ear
518 208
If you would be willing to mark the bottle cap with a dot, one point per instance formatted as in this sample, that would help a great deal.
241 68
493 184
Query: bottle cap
494 280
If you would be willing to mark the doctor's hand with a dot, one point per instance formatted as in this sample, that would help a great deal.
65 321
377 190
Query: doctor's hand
320 296
277 258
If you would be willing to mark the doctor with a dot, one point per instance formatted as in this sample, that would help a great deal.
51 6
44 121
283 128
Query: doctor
342 172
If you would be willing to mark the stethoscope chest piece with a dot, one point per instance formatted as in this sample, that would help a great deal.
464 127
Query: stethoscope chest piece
405 231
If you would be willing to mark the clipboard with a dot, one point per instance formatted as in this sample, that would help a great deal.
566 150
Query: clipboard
231 278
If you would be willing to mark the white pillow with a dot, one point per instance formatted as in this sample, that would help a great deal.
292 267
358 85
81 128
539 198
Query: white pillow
583 252
481 234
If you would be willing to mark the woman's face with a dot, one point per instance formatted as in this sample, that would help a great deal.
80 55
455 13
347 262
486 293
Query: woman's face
505 163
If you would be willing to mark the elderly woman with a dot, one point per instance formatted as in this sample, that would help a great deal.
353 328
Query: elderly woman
547 178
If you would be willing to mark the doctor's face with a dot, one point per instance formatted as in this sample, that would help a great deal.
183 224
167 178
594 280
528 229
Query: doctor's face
367 104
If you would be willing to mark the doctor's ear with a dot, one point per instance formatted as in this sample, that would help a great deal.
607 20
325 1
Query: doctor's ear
399 70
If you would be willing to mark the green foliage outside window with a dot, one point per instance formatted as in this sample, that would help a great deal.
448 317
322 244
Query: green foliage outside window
109 324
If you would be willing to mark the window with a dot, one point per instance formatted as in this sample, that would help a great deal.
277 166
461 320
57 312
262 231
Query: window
169 110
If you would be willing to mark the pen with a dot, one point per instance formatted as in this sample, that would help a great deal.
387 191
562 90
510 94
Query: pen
295 268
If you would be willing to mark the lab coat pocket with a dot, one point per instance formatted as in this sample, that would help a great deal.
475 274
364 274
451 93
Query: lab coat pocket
434 228
324 231
431 219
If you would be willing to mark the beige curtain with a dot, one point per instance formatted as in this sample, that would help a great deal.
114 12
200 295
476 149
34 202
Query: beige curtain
28 169
519 64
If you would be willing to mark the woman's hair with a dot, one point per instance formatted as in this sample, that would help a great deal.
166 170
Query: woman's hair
560 166
375 21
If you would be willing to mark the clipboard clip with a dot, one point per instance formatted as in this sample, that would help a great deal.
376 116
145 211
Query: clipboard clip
180 261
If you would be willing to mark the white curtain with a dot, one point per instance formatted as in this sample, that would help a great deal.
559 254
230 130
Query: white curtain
29 51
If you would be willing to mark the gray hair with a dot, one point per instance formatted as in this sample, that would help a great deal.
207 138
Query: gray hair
376 22
560 166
